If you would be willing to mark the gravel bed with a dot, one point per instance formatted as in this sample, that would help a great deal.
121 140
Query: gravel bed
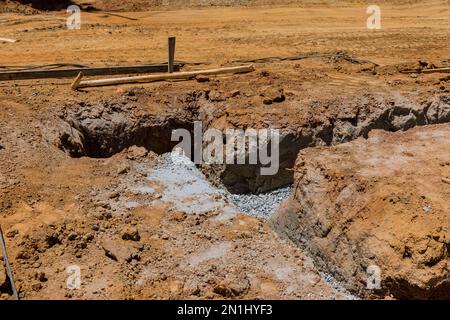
338 286
261 205
188 189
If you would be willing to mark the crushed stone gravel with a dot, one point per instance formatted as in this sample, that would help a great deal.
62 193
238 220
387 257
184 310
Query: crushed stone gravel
261 205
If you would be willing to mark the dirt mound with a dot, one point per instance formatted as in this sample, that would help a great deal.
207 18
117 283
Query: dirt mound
47 4
124 222
377 202
29 7
102 129
124 248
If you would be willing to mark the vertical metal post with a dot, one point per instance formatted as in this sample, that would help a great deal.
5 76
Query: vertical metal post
171 61
8 266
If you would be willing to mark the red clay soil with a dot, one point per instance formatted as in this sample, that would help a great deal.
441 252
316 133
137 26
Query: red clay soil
381 202
58 210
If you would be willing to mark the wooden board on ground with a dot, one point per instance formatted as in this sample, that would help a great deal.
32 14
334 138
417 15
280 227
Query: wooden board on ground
97 71
159 77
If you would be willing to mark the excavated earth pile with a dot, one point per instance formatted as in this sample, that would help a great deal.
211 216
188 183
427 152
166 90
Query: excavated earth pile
124 222
103 129
91 193
344 234
32 6
378 202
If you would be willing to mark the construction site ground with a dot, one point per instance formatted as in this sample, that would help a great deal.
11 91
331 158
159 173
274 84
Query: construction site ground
100 203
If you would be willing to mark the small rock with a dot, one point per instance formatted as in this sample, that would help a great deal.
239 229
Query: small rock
178 216
12 233
52 239
232 286
105 205
72 236
118 252
135 152
191 288
235 93
82 244
273 96
131 234
41 276
88 237
123 168
114 195
267 101
103 215
36 286
216 96
202 78
23 255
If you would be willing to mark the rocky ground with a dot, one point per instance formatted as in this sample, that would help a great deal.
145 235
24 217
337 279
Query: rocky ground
137 235
87 179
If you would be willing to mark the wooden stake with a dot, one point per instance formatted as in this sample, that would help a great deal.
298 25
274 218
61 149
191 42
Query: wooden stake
159 77
171 47
77 81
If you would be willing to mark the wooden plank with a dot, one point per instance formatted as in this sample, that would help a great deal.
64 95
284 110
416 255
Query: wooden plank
7 265
172 41
70 73
171 76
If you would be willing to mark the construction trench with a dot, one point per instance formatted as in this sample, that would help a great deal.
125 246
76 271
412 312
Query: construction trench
150 175
102 130
89 179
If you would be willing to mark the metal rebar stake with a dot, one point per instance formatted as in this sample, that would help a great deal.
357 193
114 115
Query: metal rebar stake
171 60
8 266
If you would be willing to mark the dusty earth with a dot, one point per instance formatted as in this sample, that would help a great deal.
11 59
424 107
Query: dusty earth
80 182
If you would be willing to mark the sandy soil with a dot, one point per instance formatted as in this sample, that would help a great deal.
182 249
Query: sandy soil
57 210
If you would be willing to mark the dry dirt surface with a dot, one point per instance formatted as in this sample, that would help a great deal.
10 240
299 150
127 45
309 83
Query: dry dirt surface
27 6
71 161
